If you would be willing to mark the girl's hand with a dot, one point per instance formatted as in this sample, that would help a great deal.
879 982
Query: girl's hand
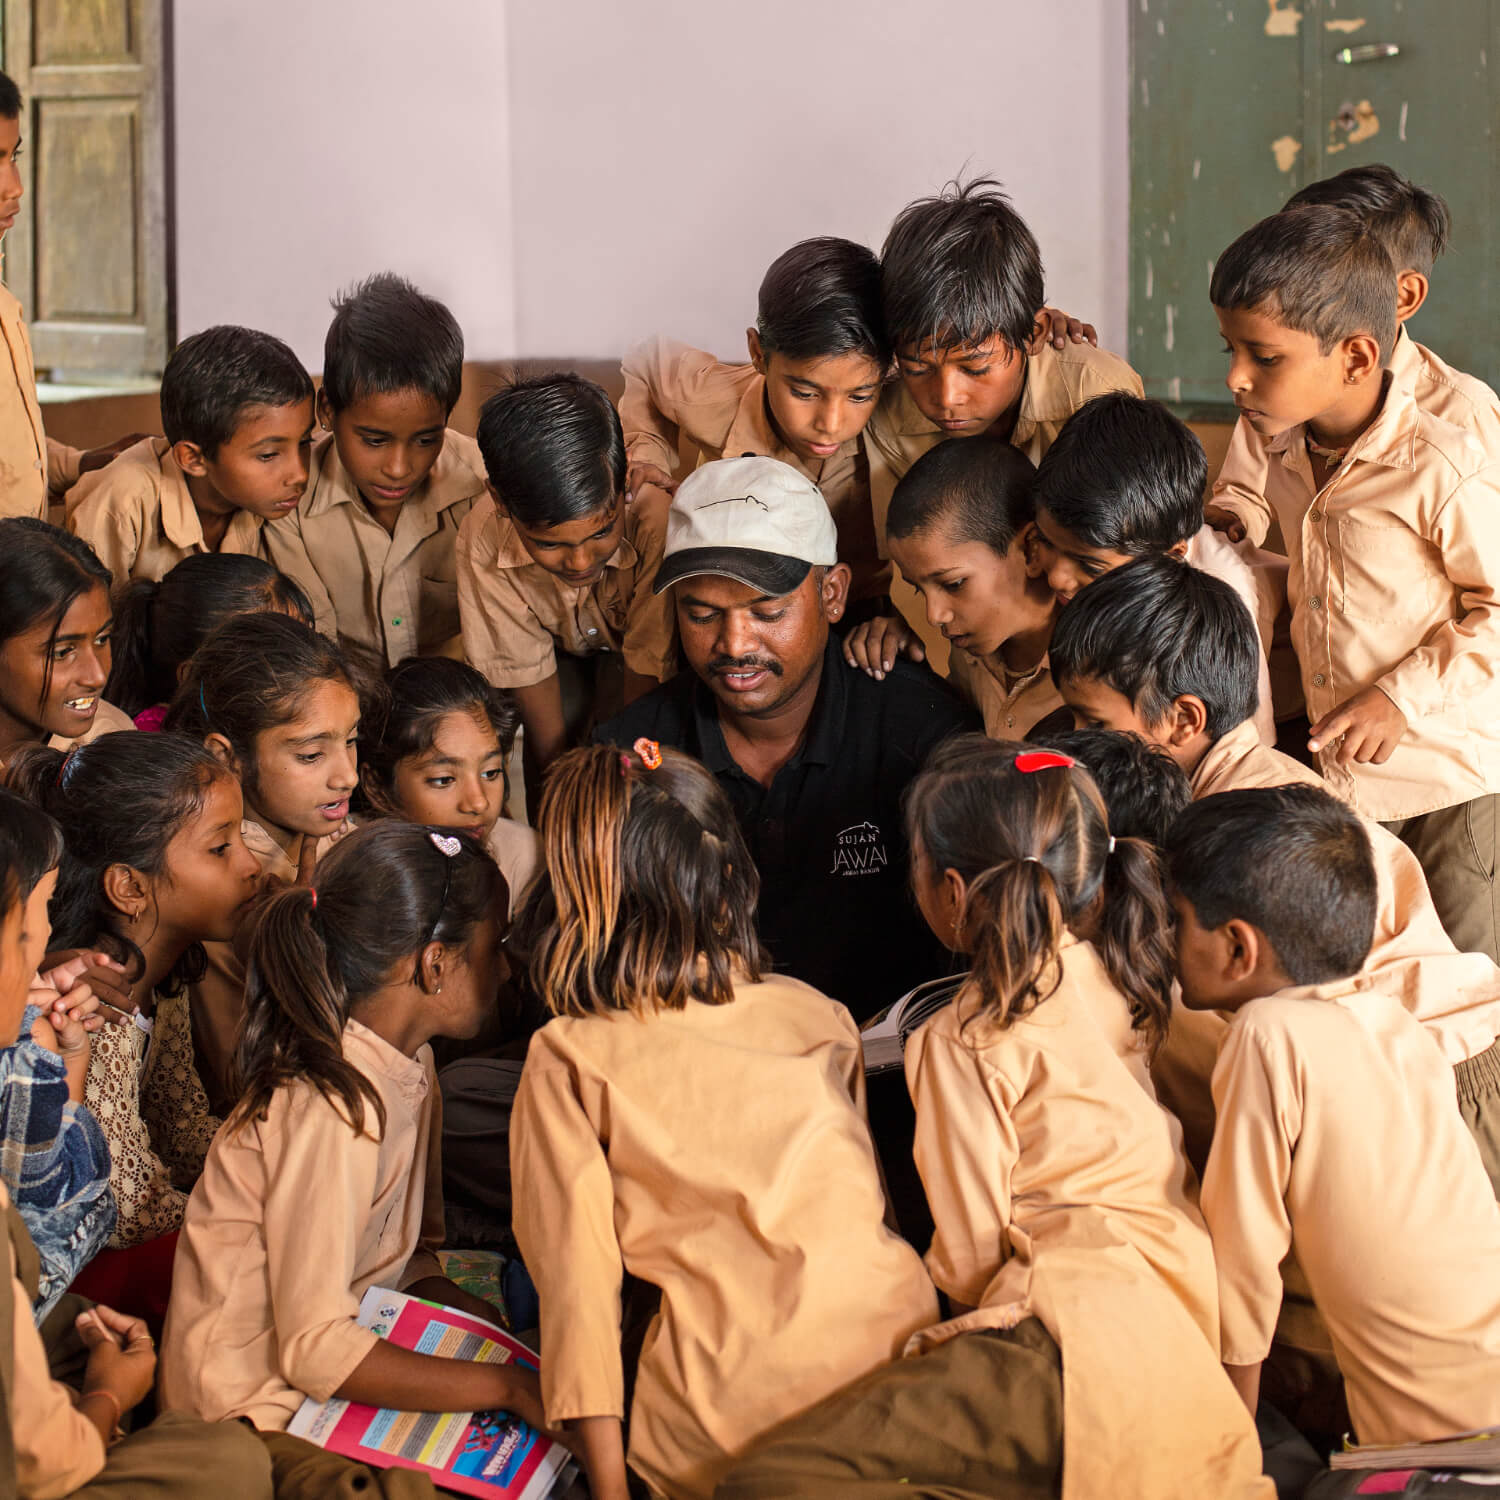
99 974
122 1356
67 1020
874 645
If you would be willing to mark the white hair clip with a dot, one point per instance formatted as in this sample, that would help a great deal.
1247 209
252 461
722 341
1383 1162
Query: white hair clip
445 843
1111 843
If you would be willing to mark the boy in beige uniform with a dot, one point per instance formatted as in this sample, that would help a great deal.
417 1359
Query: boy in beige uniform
1392 523
554 561
1161 650
1392 1219
237 407
374 542
818 359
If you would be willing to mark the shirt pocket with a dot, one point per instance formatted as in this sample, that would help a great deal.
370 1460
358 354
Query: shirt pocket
1388 575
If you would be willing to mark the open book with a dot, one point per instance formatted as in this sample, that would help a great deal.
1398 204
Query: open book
473 1453
884 1035
1479 1451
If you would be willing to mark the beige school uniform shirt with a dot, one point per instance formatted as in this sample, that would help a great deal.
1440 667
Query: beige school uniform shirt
1456 996
1012 703
517 616
1394 567
264 1293
389 594
1058 382
57 1449
34 469
672 390
1059 1191
137 514
1338 1139
518 851
107 720
719 1153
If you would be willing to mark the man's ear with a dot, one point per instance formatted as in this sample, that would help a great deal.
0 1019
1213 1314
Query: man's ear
223 752
325 410
190 459
1187 719
834 592
1411 293
127 890
757 353
1361 358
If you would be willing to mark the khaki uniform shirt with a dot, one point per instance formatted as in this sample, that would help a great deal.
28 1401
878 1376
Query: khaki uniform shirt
390 594
137 514
1012 704
671 389
517 616
33 468
56 1448
1395 564
1058 382
265 1293
1059 1190
1456 996
1260 581
1338 1139
719 1153
518 851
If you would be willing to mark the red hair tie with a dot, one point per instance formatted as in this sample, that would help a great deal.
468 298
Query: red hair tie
649 752
311 892
1043 760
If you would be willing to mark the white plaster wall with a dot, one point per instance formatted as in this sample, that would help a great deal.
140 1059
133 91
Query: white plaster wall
667 150
320 140
572 174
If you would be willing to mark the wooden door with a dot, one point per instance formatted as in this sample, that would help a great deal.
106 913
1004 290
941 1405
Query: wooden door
1237 104
88 256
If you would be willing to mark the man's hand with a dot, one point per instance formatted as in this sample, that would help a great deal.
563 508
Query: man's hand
1224 520
874 645
1370 725
638 475
96 458
1055 327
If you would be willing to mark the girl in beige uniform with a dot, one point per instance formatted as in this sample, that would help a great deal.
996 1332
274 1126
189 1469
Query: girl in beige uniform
276 704
697 1122
1082 1357
55 621
153 867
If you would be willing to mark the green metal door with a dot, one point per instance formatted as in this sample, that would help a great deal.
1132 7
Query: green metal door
1235 104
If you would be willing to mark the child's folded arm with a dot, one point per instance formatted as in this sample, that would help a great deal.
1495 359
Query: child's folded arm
670 386
64 465
424 1262
1241 483
650 640
564 1219
1459 662
1244 1192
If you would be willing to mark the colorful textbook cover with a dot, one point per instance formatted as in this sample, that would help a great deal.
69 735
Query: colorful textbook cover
472 1453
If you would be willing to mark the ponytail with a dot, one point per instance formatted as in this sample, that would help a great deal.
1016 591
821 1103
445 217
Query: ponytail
134 683
1028 833
382 895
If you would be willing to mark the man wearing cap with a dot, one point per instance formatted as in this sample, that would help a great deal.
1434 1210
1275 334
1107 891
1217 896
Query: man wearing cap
813 754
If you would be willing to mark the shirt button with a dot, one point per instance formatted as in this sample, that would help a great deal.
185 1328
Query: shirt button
592 631
1315 515
1314 602
396 621
1010 722
1319 680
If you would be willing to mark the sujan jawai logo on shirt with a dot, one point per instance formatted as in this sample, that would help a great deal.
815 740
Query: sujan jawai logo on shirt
859 850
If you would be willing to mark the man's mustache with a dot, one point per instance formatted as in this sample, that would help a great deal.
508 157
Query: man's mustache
744 664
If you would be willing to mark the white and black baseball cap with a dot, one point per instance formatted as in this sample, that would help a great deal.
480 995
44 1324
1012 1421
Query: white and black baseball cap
756 520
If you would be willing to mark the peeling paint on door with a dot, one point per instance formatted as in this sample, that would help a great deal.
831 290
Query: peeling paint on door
1345 26
1285 149
1357 126
1284 19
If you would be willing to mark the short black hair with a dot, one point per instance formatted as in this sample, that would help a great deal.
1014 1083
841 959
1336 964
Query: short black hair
1157 629
1410 221
1144 789
1315 269
1317 910
822 298
386 336
960 268
214 375
553 449
10 98
978 491
1125 475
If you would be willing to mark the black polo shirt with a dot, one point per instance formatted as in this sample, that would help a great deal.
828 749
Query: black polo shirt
835 903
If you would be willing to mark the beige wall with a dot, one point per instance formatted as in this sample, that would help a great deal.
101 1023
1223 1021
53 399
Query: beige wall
572 174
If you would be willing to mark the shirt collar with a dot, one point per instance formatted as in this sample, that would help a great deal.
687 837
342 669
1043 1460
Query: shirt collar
329 484
1228 750
180 522
1405 363
511 553
409 1074
1390 440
